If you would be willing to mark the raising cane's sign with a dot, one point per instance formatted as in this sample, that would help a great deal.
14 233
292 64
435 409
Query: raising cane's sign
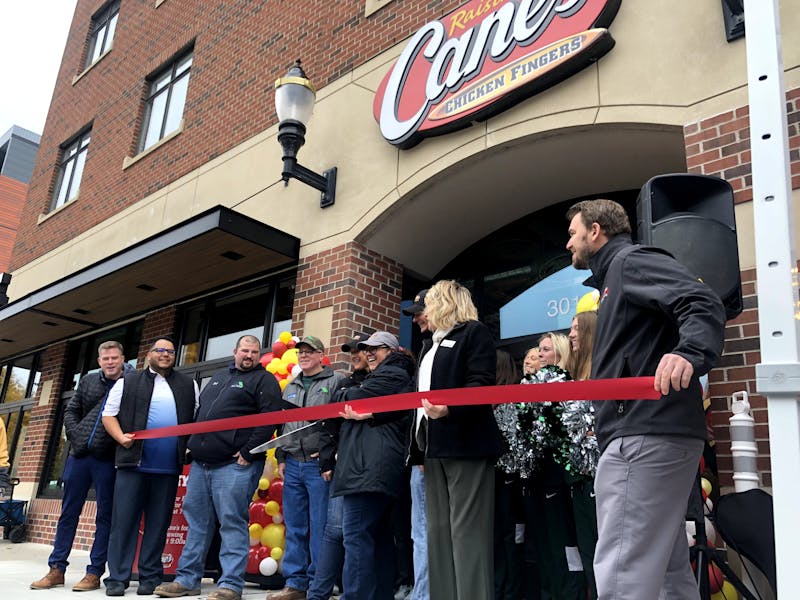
485 57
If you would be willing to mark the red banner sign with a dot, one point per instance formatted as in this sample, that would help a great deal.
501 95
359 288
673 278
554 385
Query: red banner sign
485 57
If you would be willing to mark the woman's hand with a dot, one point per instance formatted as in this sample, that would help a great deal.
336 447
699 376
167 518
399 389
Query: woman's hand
349 413
435 411
327 475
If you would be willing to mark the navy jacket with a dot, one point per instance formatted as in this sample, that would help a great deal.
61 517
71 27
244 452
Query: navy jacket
371 452
234 393
651 305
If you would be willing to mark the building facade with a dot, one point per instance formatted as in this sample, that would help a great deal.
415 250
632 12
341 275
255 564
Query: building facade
156 204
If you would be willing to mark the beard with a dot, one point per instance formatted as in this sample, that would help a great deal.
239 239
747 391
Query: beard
580 258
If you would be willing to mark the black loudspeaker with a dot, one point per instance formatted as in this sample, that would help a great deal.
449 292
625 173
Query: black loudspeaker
692 217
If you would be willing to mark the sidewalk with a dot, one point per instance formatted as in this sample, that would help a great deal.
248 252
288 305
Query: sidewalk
20 564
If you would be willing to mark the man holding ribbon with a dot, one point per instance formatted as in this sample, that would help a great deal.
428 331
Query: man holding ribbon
224 474
147 470
655 318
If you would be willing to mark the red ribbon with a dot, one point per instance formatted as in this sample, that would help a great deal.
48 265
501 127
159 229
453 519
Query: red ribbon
631 388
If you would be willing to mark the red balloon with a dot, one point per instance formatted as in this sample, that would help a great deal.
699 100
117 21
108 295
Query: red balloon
252 560
258 515
262 493
266 359
289 367
715 578
276 491
292 343
262 552
326 361
278 348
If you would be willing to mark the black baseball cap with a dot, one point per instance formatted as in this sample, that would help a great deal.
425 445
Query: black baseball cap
352 344
418 306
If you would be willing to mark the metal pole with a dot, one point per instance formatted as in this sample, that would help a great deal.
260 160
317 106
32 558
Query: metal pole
778 374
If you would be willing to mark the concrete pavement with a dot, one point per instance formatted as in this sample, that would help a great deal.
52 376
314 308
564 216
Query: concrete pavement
20 564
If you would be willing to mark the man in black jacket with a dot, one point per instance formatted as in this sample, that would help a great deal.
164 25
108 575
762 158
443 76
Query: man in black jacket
147 470
224 474
90 463
655 318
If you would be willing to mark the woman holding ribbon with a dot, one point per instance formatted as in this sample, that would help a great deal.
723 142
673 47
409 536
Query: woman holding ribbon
460 445
370 470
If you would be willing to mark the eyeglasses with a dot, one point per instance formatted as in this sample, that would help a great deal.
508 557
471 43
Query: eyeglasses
169 351
301 352
374 349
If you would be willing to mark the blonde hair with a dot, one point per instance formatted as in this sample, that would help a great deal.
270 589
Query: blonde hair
580 362
560 345
448 303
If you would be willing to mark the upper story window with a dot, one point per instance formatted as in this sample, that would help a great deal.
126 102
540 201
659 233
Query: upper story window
165 100
101 36
73 158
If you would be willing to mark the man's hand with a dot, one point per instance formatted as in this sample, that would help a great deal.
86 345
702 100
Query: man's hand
674 371
435 411
281 469
127 440
240 459
327 475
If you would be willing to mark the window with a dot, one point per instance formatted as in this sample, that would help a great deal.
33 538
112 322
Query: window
73 157
81 360
19 380
101 36
210 328
165 101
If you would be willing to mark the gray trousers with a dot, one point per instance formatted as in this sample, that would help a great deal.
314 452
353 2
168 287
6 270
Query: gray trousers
642 485
459 502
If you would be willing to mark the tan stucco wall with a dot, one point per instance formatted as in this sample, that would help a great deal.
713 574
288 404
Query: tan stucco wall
671 66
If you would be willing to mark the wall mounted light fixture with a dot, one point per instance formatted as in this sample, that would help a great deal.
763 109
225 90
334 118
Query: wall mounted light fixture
294 103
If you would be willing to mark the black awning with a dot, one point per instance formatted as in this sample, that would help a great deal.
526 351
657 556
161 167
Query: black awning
203 253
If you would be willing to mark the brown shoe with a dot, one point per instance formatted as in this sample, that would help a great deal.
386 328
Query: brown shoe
89 582
173 589
287 593
52 579
224 594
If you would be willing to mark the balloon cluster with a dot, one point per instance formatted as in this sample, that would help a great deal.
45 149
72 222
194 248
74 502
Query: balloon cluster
267 531
282 361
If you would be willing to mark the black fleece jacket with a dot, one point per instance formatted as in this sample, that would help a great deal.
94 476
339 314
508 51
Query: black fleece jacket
651 305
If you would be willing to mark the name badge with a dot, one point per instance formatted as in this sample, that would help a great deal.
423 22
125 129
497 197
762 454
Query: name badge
448 343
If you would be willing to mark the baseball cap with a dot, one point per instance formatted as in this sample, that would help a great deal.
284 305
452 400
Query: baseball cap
352 344
380 338
312 341
418 306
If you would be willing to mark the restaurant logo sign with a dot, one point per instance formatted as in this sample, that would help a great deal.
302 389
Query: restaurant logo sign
484 58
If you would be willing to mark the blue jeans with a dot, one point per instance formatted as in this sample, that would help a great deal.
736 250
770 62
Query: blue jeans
419 535
217 493
368 546
305 506
79 475
331 554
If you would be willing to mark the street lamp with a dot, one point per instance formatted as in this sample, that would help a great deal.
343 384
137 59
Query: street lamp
294 103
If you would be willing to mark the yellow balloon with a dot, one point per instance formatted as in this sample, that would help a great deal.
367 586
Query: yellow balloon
282 370
255 530
728 592
290 356
274 536
272 508
271 453
255 496
285 337
283 383
273 366
706 485
263 483
588 302
276 553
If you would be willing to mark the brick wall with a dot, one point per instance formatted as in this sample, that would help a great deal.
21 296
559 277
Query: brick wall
43 513
720 145
240 49
362 286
